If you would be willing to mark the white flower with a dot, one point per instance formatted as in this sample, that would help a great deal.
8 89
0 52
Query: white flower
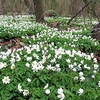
34 64
25 92
74 69
49 56
82 61
95 60
28 50
59 56
57 65
53 68
99 83
80 74
6 80
1 65
35 69
18 57
89 57
27 65
96 66
57 52
37 48
94 71
46 86
92 55
35 55
40 66
61 96
76 78
86 67
4 64
68 52
58 69
29 80
93 76
20 88
70 66
47 91
82 78
48 67
53 60
75 63
13 66
29 58
12 60
60 90
44 57
4 57
80 91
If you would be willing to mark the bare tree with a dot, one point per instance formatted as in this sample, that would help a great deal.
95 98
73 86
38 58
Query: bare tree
39 13
29 6
3 4
91 10
79 11
27 3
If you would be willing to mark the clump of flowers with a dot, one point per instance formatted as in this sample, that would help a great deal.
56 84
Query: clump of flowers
61 95
51 64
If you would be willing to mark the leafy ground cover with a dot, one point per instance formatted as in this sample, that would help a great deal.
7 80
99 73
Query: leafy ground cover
41 63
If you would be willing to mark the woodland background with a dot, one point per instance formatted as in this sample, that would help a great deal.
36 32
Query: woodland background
61 7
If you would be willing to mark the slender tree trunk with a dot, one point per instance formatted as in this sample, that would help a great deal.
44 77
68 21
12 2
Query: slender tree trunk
3 7
39 13
29 6
79 11
27 3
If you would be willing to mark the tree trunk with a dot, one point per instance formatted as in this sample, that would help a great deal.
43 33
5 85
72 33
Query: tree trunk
27 3
39 13
29 6
3 7
79 11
